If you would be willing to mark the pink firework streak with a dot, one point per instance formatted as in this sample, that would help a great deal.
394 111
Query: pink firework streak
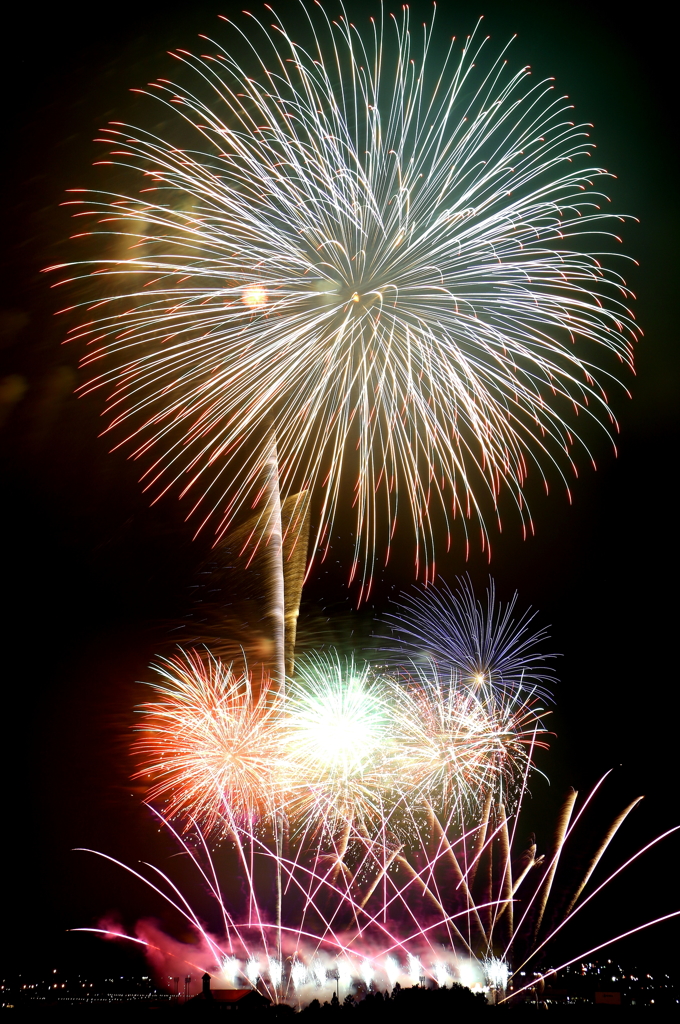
443 903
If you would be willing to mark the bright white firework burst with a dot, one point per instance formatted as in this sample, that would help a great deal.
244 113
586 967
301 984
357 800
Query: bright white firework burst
352 244
336 732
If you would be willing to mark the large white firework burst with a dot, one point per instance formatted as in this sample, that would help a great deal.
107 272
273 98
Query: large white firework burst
388 260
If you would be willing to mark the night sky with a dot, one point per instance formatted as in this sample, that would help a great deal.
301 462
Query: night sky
94 577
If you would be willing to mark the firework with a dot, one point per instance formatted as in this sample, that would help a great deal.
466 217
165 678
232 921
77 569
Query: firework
344 747
337 736
492 925
347 251
457 744
349 769
343 751
208 741
381 808
486 647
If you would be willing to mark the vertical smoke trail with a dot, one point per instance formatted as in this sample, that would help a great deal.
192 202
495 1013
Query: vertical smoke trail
295 521
561 833
276 603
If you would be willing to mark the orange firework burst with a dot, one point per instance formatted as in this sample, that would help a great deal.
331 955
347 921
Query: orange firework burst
209 743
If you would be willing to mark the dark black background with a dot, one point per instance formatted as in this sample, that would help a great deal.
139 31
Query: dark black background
92 573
